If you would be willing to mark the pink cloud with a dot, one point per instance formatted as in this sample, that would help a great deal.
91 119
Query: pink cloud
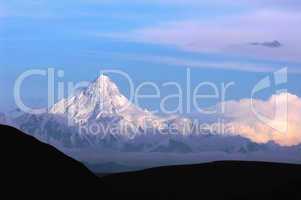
246 124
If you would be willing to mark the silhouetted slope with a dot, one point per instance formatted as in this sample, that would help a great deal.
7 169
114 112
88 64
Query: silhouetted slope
217 180
32 166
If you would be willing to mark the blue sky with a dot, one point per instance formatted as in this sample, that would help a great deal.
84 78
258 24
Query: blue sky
153 40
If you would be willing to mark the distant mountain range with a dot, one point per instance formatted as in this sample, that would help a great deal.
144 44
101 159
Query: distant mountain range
102 122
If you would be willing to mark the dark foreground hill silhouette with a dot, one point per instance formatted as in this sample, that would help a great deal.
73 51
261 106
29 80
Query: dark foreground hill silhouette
30 168
216 180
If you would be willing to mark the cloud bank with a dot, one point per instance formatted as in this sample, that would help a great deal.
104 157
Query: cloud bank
243 121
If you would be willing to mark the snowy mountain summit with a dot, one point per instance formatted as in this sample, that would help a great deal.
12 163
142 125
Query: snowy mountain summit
101 103
101 97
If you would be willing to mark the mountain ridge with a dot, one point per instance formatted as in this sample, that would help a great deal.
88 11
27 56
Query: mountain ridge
34 169
214 180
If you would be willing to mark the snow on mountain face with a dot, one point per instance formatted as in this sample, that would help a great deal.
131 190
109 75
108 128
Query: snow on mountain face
101 97
102 103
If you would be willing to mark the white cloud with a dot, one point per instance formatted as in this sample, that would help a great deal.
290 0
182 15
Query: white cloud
243 121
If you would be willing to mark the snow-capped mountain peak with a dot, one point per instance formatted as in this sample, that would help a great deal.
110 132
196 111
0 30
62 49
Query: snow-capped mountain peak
102 101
